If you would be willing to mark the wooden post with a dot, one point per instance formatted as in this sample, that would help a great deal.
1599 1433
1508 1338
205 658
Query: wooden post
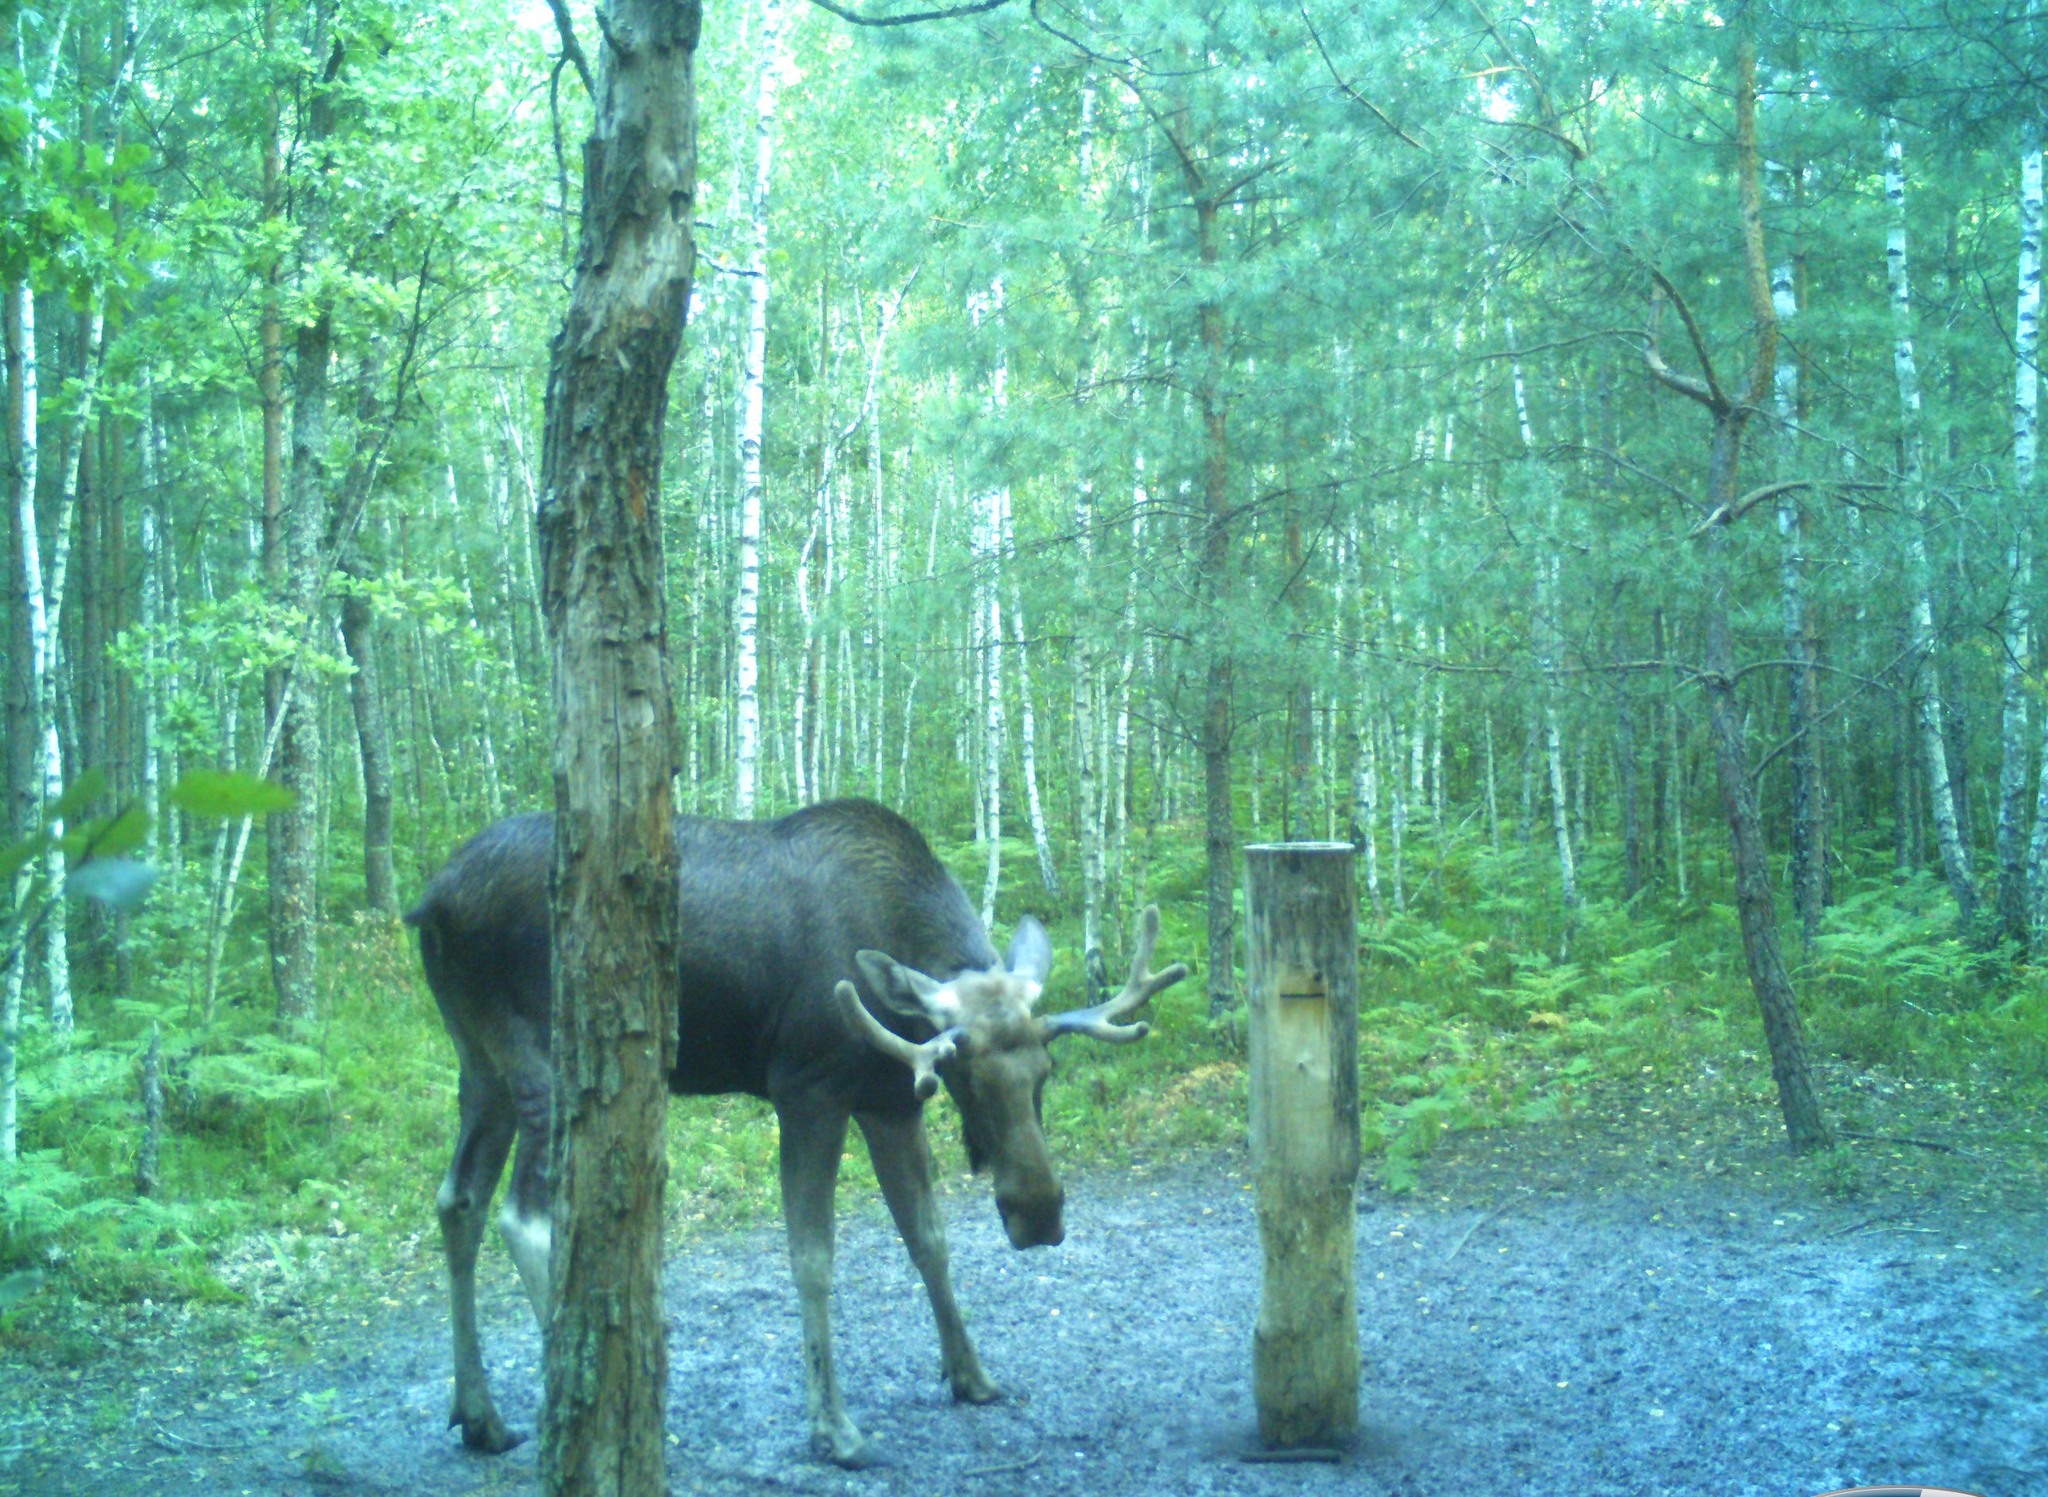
1301 937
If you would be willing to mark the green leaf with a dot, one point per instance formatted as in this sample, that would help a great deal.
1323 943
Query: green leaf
119 883
108 837
228 792
16 856
83 791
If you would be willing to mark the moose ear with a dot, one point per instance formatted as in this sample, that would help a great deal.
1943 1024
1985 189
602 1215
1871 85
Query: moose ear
1030 952
904 990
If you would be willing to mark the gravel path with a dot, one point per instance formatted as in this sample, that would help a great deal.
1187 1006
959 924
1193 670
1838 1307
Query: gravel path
1695 1341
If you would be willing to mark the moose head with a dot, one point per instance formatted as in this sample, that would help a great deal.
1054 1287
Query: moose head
991 1050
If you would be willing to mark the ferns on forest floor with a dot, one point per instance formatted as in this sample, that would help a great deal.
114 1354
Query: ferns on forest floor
1469 1020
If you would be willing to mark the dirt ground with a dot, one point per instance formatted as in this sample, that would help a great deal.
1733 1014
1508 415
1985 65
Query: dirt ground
1553 1310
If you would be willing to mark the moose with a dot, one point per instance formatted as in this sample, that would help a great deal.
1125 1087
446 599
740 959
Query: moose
829 963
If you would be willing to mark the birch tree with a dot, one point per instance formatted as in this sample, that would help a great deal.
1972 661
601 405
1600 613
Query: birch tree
2022 889
753 402
1955 855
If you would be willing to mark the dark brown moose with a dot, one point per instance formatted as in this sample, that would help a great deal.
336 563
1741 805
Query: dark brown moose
780 921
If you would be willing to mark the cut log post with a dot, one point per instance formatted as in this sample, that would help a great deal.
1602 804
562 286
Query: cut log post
1301 937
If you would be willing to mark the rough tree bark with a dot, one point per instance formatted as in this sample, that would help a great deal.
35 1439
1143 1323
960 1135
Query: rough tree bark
373 741
294 835
1805 1125
614 908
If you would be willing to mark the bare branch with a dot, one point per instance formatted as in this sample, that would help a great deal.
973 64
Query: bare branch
979 7
571 48
1712 396
1551 125
1348 91
1728 514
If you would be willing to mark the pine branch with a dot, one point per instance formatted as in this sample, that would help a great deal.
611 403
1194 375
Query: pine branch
1346 89
978 8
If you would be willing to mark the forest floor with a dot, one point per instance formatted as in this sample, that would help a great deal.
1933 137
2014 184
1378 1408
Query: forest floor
1642 1298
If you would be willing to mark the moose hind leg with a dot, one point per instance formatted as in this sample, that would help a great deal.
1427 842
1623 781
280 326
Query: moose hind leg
524 1221
903 1164
465 1197
811 1144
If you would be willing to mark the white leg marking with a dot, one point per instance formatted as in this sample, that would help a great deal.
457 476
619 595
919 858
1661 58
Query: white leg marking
530 1239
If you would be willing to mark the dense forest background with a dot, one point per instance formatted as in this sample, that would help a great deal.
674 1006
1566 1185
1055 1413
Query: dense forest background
1583 454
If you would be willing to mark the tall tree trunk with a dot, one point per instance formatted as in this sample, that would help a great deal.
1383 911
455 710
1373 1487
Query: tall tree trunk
1805 1125
1365 796
1492 793
22 811
1955 854
43 780
1219 828
1631 786
1027 724
294 834
1547 634
994 502
752 415
615 885
1809 813
373 742
2020 892
149 621
1299 800
1088 737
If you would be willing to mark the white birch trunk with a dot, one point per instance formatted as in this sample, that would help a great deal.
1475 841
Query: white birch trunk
994 503
992 717
1117 789
46 774
1955 858
1492 793
149 621
747 611
1041 839
2019 879
1674 796
1397 818
1087 729
1365 796
1547 634
2026 432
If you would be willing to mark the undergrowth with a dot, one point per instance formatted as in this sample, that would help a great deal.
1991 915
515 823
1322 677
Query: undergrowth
1482 1004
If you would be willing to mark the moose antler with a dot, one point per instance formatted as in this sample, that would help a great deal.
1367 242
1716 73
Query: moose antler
1100 1021
924 1060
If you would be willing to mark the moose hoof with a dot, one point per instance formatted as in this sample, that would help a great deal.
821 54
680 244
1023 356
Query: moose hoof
975 1387
486 1432
847 1448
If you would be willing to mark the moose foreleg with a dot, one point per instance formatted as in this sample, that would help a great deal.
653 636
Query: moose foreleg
811 1145
464 1200
903 1164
